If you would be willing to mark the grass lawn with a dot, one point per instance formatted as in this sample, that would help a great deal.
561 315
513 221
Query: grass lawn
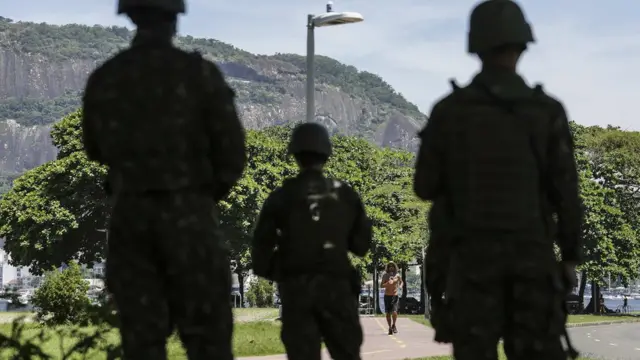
239 314
252 336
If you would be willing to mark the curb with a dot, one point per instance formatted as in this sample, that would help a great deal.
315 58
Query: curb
602 323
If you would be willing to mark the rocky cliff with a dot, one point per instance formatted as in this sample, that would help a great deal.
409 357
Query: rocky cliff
43 69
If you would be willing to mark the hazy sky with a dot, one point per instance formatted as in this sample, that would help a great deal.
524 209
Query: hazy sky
588 52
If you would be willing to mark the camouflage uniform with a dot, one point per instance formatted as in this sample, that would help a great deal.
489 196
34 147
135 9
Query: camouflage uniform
318 297
502 284
164 122
436 265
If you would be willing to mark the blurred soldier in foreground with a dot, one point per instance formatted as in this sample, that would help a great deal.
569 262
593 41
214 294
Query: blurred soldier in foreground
501 154
436 265
164 122
306 229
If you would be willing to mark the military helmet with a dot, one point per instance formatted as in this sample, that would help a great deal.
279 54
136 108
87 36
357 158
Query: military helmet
496 23
310 137
170 6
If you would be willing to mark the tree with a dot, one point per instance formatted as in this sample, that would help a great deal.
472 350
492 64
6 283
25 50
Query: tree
62 298
260 293
53 212
609 166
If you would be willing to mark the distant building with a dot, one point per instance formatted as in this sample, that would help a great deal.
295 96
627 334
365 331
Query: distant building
11 275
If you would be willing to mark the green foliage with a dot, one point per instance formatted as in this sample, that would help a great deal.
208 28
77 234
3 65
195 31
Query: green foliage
609 164
30 111
62 298
260 293
52 213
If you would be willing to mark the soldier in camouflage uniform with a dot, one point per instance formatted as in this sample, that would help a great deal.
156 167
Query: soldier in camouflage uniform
164 122
302 239
501 154
436 265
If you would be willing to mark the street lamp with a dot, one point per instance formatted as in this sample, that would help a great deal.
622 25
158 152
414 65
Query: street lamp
330 18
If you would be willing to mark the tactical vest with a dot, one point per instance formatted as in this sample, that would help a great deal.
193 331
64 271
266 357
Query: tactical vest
494 163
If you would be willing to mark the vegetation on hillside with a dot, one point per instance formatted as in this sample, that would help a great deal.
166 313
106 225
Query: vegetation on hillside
59 43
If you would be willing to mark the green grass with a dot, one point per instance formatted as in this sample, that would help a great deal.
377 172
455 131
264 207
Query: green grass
239 314
256 338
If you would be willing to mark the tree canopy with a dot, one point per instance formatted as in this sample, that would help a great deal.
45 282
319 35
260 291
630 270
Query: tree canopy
55 212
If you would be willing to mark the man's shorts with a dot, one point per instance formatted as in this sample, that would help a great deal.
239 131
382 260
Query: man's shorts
390 303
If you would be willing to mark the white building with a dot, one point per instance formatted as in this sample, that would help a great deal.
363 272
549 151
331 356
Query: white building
10 275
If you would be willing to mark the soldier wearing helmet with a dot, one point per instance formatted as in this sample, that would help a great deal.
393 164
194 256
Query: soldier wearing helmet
302 239
164 122
497 157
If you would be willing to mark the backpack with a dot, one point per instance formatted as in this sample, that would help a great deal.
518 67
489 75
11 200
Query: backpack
314 232
494 164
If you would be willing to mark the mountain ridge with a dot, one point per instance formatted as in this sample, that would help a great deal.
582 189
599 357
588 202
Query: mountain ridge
43 69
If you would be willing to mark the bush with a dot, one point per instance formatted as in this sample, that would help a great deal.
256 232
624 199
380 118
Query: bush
62 298
260 293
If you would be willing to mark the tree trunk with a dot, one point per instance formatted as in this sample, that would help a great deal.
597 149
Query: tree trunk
594 305
403 274
376 289
581 289
422 300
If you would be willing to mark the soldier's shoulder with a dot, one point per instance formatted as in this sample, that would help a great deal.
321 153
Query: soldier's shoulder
547 98
345 190
450 100
275 198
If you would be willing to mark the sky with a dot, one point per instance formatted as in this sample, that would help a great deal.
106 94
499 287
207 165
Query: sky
587 52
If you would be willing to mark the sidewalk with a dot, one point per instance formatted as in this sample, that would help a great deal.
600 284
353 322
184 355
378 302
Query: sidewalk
412 341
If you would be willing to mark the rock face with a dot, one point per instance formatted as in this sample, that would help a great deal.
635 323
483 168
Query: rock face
24 147
39 85
34 76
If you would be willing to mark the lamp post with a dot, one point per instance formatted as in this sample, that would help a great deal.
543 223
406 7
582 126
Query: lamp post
330 18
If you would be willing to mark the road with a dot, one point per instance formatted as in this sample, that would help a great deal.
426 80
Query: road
610 342
412 341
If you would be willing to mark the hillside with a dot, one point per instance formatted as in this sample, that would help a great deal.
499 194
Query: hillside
43 69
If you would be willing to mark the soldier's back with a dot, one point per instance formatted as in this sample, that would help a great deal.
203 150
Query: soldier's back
150 104
318 287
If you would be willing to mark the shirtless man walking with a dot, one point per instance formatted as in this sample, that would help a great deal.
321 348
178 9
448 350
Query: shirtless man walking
391 282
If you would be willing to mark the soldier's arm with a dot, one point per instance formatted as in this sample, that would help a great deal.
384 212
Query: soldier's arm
226 132
563 186
428 176
91 121
265 236
361 235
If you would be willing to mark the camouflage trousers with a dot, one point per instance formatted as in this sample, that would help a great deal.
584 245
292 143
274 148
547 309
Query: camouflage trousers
316 309
167 270
505 287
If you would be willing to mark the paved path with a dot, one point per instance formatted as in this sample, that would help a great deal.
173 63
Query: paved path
611 342
413 340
